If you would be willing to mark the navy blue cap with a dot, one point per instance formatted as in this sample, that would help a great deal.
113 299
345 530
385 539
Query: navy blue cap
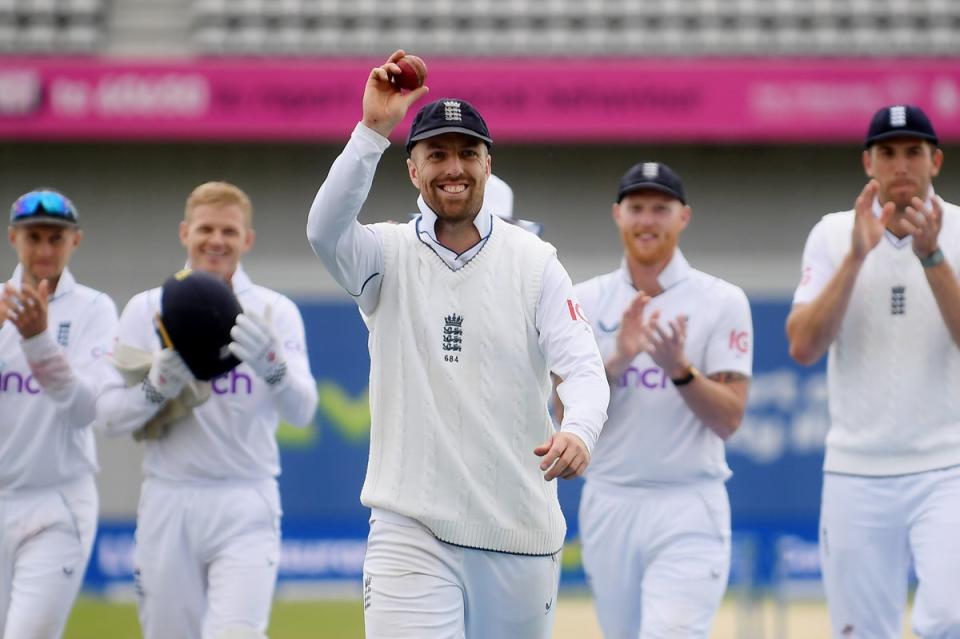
197 311
43 206
654 176
447 115
900 121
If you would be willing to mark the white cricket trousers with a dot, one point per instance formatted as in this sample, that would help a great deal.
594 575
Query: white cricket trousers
206 557
870 528
417 587
47 535
657 559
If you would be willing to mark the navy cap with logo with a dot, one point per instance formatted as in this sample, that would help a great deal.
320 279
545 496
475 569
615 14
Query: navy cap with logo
654 176
900 121
197 311
43 206
447 115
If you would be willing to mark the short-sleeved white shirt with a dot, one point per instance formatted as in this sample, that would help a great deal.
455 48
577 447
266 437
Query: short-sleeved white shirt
819 263
893 368
651 436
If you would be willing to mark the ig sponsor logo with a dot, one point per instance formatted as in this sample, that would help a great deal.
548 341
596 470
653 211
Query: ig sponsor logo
576 311
739 341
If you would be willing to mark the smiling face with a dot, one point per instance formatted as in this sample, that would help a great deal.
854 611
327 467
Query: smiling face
450 171
44 250
650 224
216 236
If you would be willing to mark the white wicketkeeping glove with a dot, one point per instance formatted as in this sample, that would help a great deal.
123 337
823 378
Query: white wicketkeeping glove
255 344
167 376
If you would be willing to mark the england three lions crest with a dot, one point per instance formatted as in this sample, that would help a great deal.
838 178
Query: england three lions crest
452 337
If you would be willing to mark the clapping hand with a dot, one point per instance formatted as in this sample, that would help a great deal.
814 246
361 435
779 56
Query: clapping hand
666 349
924 225
26 309
868 228
639 334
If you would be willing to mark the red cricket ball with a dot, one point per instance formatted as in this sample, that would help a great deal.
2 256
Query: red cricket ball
413 72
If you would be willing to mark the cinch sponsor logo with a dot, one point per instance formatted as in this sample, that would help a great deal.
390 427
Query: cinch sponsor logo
652 377
14 382
232 383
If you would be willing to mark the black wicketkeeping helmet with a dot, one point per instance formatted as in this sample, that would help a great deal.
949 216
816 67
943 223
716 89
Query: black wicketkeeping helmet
197 311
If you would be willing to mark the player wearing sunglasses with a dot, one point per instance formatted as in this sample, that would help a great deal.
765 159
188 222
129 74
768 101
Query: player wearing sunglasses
54 335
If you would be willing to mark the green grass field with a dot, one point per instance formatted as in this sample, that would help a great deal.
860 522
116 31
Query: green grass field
335 619
94 618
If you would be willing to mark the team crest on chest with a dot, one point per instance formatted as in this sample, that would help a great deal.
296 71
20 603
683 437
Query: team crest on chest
63 334
452 337
898 300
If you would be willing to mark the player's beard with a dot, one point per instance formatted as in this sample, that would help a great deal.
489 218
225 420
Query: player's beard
650 253
903 192
455 211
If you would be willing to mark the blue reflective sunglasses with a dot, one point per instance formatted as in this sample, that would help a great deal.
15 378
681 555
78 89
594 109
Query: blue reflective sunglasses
43 204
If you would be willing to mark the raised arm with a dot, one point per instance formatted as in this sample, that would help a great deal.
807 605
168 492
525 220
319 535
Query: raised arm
812 326
351 252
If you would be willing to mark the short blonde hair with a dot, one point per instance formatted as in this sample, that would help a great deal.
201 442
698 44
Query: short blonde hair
219 194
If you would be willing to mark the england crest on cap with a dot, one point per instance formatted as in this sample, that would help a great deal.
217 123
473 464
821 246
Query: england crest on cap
898 116
651 176
900 121
448 115
451 111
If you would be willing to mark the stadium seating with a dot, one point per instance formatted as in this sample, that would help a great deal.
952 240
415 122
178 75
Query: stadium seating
579 27
501 27
52 26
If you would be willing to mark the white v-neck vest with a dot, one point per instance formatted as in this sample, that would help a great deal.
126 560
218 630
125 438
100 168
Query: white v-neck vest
893 372
458 393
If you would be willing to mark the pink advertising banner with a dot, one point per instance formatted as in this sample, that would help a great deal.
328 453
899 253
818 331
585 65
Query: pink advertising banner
523 100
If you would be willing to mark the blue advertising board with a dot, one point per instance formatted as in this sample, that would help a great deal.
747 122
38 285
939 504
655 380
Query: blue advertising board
775 457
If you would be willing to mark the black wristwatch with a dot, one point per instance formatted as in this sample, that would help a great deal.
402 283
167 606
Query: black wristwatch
685 379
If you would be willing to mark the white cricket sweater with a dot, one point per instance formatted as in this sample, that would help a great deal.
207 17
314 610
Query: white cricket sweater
458 393
893 372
